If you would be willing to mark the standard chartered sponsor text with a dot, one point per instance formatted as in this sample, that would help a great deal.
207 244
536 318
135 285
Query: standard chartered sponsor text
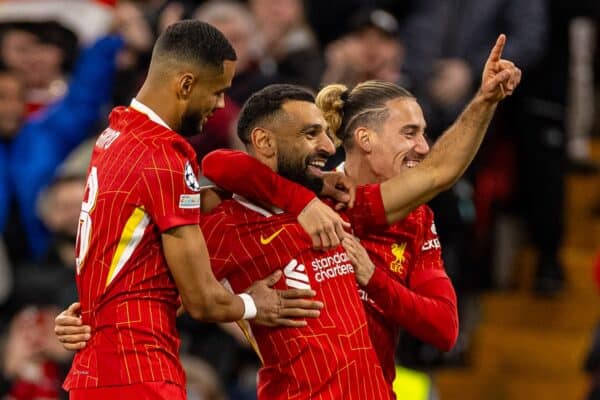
332 266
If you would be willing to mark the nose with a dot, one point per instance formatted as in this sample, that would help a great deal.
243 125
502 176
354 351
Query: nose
421 145
326 145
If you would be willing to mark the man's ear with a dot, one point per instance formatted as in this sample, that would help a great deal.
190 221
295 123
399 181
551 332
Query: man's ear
185 84
363 138
263 142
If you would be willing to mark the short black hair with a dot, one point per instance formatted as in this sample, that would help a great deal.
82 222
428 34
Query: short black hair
266 103
195 42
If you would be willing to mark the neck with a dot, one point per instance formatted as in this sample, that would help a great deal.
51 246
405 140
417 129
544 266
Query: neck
270 160
359 169
155 99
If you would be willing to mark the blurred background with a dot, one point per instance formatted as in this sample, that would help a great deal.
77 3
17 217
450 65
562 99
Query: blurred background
520 232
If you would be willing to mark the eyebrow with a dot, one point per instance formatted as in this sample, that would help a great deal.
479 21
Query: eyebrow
413 126
311 127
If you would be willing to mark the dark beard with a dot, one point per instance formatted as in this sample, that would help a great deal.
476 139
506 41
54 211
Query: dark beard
190 125
296 172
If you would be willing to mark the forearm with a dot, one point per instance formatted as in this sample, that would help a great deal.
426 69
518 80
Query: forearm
455 149
428 312
240 173
205 298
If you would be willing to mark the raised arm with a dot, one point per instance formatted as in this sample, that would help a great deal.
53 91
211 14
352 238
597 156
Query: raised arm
456 148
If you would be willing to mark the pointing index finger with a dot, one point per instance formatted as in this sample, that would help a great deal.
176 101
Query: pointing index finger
496 52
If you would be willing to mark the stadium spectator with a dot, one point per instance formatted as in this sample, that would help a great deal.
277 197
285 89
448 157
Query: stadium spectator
31 358
290 48
46 139
238 25
370 50
42 53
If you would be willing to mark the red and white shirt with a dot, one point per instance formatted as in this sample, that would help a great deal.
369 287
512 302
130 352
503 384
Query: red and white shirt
142 182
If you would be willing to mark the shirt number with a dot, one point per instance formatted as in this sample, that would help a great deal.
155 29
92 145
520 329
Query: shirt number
84 230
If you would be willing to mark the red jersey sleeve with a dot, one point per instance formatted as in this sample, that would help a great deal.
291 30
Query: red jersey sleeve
169 188
368 212
238 172
429 263
427 308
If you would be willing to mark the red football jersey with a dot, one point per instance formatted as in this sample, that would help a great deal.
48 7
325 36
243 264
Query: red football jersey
405 256
141 182
331 358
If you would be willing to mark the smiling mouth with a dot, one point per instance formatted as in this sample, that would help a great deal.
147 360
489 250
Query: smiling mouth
411 163
316 167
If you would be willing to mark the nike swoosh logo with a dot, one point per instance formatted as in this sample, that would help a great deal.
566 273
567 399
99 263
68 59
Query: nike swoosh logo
268 240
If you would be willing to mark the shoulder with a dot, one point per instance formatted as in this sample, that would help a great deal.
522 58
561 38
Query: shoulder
154 137
421 215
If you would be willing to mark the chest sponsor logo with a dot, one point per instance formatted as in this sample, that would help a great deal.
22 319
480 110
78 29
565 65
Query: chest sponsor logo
191 180
295 275
331 267
398 251
189 201
266 240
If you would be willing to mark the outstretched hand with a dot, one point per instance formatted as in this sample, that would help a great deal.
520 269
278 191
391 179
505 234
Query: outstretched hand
282 307
500 77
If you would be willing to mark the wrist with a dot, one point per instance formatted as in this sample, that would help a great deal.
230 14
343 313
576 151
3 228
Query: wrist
365 274
249 306
305 208
485 101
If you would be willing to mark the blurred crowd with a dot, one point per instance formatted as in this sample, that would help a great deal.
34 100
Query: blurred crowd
65 63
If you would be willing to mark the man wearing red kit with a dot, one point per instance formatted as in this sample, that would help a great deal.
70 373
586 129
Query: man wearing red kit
139 246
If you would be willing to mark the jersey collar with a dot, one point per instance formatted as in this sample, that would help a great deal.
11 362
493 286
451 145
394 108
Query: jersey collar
147 111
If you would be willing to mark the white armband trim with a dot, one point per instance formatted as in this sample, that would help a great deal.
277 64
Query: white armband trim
249 306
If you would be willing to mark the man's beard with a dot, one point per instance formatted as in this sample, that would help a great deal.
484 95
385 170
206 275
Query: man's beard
296 171
190 125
